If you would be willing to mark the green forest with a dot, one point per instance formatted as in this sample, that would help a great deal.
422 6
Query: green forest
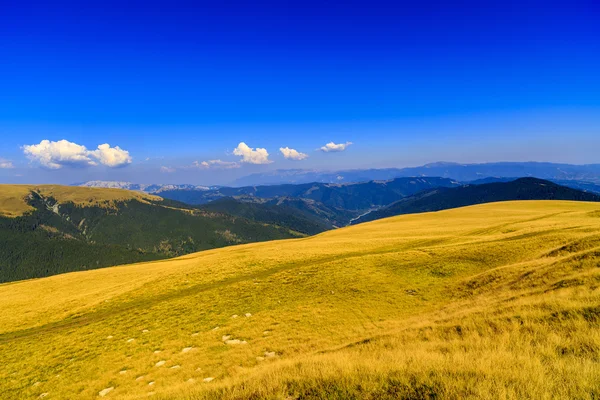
57 238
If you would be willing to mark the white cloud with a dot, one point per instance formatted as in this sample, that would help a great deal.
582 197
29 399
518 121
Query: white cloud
167 170
252 156
216 164
6 164
111 156
292 154
55 155
332 147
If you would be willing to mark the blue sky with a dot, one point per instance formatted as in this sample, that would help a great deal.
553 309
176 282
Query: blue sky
175 84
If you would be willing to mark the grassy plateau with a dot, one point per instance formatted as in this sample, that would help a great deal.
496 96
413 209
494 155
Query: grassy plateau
497 301
12 204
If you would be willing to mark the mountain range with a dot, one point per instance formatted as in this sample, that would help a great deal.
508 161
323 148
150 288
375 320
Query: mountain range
584 177
148 188
355 196
456 171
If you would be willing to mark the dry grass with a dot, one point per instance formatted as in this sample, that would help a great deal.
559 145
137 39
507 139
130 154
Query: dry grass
12 200
13 197
492 301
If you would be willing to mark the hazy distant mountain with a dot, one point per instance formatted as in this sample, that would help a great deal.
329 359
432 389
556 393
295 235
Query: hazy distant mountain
299 176
354 196
587 175
445 198
149 188
460 172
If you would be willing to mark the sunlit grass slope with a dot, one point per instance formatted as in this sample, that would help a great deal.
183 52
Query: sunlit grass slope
493 301
13 197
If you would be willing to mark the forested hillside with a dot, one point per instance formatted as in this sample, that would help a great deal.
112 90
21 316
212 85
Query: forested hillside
303 215
50 230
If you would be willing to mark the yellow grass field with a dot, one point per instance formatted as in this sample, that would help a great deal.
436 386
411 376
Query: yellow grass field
496 301
13 204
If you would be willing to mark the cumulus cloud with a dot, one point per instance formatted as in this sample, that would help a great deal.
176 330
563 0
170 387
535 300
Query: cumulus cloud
216 164
332 147
292 154
55 155
167 170
250 155
6 164
111 156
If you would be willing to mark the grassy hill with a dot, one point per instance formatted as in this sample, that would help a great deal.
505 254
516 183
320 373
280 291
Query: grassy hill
498 301
50 229
444 198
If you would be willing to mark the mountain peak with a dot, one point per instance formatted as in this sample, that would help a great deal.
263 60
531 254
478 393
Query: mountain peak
441 164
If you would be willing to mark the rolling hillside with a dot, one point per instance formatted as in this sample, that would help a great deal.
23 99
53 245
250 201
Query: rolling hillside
491 301
445 198
46 230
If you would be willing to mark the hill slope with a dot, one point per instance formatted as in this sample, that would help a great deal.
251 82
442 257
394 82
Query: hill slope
444 198
45 230
491 301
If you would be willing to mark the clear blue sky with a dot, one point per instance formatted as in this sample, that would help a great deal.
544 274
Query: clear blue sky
406 83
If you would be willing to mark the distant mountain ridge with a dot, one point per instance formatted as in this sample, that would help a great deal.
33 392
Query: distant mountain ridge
354 196
460 172
148 188
588 175
444 198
